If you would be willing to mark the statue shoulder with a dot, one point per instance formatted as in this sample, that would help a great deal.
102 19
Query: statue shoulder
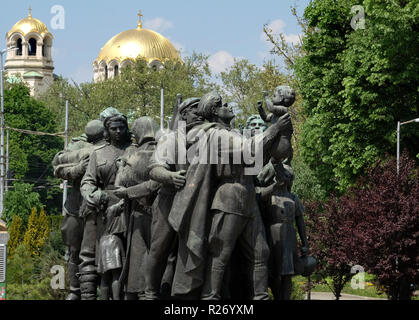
298 203
100 147
77 145
82 137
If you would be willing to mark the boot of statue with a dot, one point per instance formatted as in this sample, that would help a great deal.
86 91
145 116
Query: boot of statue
74 294
88 285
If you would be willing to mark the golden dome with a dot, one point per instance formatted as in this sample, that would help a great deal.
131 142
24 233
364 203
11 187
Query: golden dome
28 25
132 43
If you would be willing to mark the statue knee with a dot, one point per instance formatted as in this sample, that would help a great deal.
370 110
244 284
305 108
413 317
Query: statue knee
73 256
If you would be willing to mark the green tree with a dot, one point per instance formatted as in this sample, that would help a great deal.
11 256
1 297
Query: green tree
356 85
43 228
31 154
306 185
37 232
52 254
19 201
243 85
29 278
16 232
19 273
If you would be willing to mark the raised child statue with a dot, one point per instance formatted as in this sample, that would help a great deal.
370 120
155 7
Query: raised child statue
282 99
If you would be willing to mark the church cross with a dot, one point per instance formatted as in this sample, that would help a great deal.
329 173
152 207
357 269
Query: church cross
140 25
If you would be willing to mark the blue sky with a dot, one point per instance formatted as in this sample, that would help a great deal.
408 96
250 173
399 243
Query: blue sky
222 29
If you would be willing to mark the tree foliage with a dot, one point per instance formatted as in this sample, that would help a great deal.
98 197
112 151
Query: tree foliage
386 211
135 91
330 234
16 232
19 272
19 201
30 155
29 278
375 225
306 185
243 84
37 232
356 85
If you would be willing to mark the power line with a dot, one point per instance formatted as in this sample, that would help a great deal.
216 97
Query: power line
39 133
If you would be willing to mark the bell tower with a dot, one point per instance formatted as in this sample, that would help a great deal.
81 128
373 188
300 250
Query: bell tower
31 57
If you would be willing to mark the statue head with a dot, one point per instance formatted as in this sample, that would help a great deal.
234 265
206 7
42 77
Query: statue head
226 114
290 175
94 131
108 112
188 110
144 130
284 96
284 174
255 122
209 105
116 129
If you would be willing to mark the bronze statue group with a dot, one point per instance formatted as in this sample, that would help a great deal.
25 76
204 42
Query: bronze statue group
140 224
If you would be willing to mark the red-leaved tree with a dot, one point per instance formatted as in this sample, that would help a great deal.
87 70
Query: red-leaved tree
375 225
330 232
387 215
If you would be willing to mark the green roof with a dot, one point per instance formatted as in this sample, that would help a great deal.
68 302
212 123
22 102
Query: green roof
33 74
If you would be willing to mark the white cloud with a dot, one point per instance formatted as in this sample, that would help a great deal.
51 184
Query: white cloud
158 24
220 61
293 38
278 26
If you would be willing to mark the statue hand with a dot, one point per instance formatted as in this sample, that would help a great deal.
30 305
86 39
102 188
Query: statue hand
97 199
304 251
83 163
178 179
284 123
121 192
115 210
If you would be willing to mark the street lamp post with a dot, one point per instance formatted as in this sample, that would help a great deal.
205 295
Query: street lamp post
399 124
2 129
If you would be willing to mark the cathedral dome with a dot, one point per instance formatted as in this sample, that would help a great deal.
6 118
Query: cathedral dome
28 25
132 43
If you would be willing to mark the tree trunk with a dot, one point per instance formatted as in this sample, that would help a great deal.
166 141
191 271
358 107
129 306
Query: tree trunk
404 289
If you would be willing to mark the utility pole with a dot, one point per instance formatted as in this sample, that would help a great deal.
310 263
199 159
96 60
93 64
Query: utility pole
2 134
399 124
65 147
7 162
162 108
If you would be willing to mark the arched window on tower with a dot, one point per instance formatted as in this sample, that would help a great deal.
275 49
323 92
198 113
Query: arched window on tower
19 47
32 47
43 50
106 72
115 71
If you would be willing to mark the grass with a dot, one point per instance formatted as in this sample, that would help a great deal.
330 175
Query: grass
370 290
